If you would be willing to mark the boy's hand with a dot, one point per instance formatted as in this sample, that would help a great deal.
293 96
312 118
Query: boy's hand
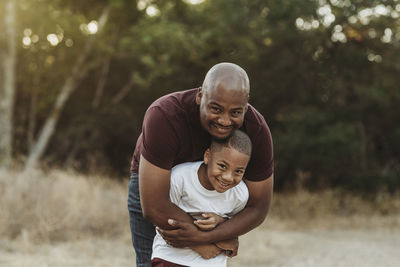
230 247
210 222
207 251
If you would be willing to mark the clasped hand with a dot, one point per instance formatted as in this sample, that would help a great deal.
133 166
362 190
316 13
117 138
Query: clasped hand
187 234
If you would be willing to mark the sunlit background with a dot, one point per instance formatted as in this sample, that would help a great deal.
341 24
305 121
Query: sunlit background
77 76
323 73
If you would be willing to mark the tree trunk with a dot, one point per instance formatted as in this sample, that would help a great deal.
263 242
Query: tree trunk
78 72
123 92
30 135
102 83
7 85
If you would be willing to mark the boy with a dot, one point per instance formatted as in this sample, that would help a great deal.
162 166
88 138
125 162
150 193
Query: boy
213 189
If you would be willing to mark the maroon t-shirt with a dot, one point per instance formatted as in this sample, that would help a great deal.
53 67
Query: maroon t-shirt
172 134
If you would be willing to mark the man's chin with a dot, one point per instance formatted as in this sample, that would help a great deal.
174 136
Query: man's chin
221 136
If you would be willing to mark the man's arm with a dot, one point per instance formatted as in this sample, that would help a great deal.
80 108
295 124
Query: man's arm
154 186
250 217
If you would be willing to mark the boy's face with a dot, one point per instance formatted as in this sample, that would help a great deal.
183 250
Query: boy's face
225 168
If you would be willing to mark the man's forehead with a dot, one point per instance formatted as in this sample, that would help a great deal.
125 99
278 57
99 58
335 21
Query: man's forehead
227 95
227 89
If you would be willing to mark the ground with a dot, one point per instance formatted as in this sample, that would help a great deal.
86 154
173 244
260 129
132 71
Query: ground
327 248
261 247
67 219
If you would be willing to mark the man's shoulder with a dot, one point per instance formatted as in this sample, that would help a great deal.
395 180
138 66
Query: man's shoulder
255 122
253 115
176 108
180 100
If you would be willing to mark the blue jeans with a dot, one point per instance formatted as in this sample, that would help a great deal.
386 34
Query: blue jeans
143 231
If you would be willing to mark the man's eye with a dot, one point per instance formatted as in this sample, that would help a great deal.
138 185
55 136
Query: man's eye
236 113
215 109
240 172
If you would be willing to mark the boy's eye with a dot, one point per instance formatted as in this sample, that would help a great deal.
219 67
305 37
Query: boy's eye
240 172
222 166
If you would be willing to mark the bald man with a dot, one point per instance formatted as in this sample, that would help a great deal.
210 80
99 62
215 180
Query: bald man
178 128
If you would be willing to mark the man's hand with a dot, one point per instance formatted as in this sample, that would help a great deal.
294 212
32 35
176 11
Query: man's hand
184 234
207 251
210 221
230 247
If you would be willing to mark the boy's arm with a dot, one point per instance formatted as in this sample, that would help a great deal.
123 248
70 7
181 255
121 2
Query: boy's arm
208 221
260 196
207 251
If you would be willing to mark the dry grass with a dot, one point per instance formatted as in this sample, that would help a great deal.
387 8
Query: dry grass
60 206
67 219
334 209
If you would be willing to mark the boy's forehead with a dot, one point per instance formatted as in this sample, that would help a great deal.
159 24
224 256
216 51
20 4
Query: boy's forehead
218 148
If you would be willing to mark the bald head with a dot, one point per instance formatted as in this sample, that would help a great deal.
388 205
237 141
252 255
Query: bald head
229 76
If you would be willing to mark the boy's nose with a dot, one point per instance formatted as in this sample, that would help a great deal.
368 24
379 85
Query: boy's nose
227 177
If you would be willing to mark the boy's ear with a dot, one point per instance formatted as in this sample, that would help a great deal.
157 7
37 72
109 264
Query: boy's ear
207 156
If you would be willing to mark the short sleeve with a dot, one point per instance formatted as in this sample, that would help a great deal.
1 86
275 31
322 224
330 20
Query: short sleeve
176 187
261 165
160 141
240 199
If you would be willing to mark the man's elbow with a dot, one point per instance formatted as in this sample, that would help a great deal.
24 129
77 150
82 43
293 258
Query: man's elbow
260 212
149 213
260 218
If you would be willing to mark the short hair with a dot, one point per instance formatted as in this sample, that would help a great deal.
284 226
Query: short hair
239 141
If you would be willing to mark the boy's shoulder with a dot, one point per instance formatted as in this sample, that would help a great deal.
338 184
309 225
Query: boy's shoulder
239 193
241 188
185 167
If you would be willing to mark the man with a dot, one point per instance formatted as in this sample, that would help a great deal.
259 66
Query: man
178 128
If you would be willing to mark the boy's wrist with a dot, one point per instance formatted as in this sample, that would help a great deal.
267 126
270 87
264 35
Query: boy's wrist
207 237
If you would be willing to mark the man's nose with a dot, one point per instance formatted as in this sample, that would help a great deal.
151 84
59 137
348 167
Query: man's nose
224 120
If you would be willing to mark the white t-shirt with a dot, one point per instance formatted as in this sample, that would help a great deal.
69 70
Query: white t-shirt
188 194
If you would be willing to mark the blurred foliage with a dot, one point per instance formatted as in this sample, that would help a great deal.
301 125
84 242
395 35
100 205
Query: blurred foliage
327 88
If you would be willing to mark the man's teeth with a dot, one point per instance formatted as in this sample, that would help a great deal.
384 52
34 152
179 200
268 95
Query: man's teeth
222 127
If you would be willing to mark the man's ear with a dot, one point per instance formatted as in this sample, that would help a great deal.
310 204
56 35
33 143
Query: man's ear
207 156
198 96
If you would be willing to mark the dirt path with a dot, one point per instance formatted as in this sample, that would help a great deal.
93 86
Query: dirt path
323 248
262 247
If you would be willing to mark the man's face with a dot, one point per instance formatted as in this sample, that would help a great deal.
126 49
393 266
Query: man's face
222 110
225 168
